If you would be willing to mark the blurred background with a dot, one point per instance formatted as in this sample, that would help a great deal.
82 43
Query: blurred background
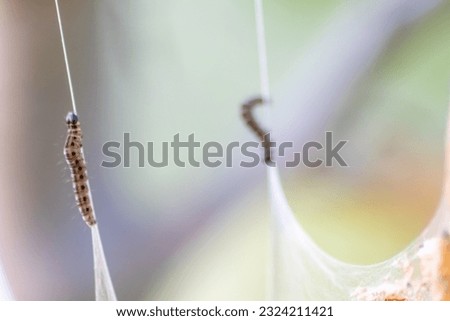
374 73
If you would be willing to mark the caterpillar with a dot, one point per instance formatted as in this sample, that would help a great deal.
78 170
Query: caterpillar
74 157
263 135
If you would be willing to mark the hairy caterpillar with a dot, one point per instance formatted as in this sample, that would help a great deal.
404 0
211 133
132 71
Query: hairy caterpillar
263 135
75 160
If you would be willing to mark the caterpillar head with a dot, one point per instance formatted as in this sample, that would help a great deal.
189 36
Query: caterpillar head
71 118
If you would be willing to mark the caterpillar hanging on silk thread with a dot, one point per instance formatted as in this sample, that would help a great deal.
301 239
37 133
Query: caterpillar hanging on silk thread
75 159
263 135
